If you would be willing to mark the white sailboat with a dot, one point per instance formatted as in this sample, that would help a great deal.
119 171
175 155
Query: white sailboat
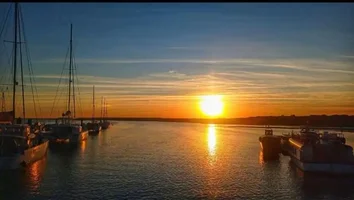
104 122
18 146
67 131
94 127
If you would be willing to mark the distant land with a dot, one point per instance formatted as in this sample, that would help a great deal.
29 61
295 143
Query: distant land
338 121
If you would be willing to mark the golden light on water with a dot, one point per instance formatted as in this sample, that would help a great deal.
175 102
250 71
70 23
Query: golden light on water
212 140
212 105
35 173
83 146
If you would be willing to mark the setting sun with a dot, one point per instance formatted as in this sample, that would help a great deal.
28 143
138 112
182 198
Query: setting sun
212 105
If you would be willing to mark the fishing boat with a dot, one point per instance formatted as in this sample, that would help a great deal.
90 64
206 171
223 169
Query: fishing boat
105 124
270 144
313 151
67 131
18 146
93 127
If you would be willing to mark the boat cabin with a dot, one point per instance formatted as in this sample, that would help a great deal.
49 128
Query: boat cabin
64 130
93 126
16 138
15 130
332 138
268 131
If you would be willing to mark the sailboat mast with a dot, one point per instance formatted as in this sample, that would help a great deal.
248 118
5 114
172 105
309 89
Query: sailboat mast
93 105
101 108
15 64
106 109
104 112
21 64
70 66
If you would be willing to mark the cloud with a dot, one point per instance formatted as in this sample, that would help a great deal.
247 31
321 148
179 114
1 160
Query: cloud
309 65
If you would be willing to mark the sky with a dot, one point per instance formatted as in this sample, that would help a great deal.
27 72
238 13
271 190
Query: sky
156 60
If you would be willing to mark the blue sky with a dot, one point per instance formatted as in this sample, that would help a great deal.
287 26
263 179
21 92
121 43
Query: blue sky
254 54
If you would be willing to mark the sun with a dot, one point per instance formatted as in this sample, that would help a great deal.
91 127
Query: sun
212 105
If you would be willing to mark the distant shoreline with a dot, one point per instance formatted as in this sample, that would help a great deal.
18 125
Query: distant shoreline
344 122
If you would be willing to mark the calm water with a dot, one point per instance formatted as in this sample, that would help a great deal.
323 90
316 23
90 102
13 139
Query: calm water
152 160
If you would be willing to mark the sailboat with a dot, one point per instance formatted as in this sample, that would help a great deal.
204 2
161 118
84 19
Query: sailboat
18 146
67 131
94 127
104 122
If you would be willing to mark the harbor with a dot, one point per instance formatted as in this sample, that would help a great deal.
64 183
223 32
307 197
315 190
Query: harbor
189 101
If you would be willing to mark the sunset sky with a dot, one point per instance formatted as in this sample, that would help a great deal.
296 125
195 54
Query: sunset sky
156 60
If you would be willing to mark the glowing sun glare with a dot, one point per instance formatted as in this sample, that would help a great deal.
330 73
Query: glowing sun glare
212 105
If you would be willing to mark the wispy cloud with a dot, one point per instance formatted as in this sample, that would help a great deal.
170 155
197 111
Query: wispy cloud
295 64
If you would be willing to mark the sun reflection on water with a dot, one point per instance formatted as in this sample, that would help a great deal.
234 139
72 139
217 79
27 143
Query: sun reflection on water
212 143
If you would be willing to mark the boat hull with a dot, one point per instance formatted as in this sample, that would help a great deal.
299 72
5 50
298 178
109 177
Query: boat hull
73 139
270 146
332 168
105 125
29 156
94 132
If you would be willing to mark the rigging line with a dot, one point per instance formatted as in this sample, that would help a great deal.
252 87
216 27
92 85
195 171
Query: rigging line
61 76
63 90
9 57
78 88
5 20
30 69
21 65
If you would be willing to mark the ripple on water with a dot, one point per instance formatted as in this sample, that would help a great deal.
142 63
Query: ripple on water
151 160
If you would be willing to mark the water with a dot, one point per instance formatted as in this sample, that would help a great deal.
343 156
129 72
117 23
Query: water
152 160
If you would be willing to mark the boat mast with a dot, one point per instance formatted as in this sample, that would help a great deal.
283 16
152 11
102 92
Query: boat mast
106 109
70 66
101 109
15 64
22 82
93 105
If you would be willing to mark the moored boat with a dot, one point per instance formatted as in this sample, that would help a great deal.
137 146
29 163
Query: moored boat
312 151
20 144
67 131
19 147
105 124
270 144
94 127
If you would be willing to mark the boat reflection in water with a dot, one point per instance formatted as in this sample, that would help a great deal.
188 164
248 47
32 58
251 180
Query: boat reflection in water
15 184
211 139
319 185
83 146
35 174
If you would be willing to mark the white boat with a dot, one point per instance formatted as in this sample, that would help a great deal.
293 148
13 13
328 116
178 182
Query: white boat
18 146
105 124
67 131
94 127
315 152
